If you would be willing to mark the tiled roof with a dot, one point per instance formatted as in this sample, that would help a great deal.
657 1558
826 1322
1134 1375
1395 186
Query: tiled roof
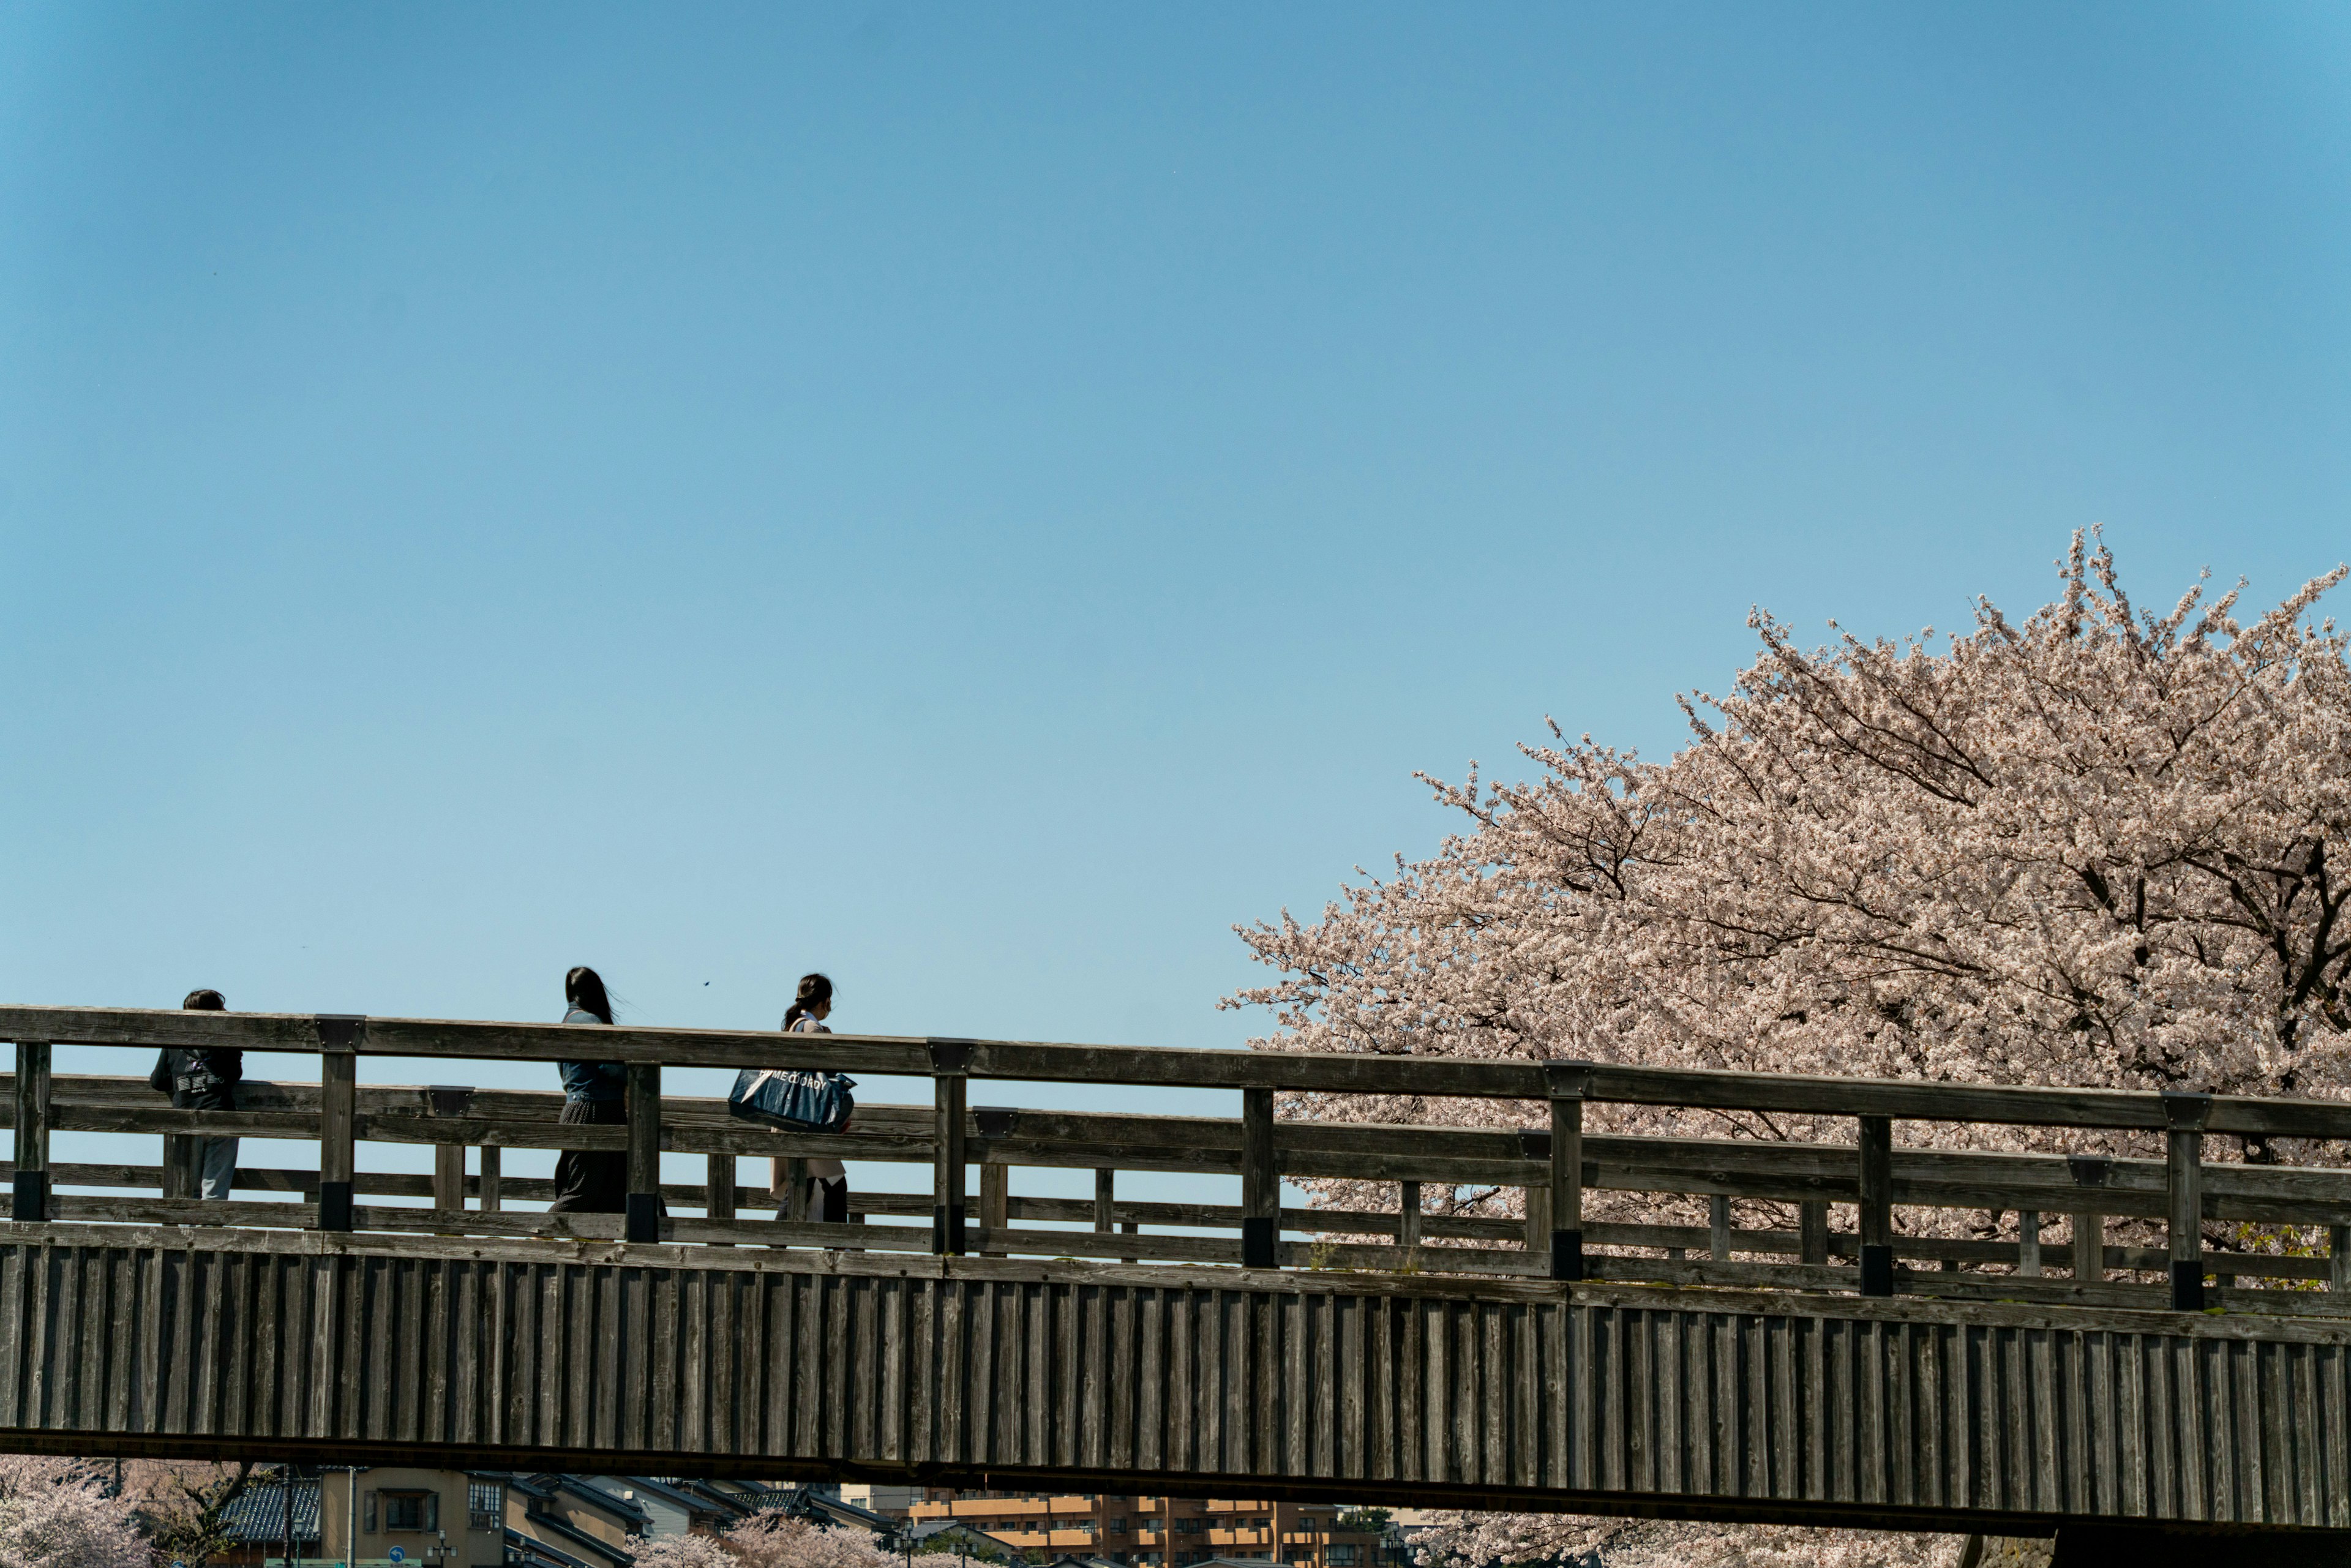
258 1514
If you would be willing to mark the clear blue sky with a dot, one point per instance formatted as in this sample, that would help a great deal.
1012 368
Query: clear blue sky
980 499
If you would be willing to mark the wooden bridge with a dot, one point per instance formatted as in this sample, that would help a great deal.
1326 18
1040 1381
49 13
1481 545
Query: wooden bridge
1826 1373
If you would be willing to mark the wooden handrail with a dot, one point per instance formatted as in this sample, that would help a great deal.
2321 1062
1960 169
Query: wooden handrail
1159 1066
1555 1164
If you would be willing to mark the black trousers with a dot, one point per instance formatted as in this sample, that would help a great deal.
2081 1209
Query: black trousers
591 1181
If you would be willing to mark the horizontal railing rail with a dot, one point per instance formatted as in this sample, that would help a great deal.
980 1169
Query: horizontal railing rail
1555 1164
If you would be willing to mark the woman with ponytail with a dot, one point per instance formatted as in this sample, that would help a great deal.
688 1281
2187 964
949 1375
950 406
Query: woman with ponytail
828 1180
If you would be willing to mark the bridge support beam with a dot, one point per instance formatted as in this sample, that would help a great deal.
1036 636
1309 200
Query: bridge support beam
644 1204
2154 1546
339 1096
2090 1173
1813 1230
30 1201
1569 1082
1877 1206
2184 1189
718 1190
950 1087
1260 1182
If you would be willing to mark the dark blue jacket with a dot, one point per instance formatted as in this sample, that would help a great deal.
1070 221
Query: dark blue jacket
592 1080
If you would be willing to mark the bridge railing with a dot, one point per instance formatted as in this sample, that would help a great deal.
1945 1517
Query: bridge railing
1556 1165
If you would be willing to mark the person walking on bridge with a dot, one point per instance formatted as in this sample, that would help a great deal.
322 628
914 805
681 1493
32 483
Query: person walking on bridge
203 1079
595 1093
827 1195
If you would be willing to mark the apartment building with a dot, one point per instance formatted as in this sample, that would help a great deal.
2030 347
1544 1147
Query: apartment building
1160 1531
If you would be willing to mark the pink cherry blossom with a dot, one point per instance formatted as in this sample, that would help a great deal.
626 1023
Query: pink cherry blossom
2102 847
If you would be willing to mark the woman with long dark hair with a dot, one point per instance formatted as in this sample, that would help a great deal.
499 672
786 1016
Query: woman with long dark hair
595 1093
828 1180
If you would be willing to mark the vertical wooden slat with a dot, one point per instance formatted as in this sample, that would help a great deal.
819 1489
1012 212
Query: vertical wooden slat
1260 1181
449 1175
338 1119
948 1060
642 1222
995 1198
29 1202
1877 1205
1568 1082
2184 1117
493 1195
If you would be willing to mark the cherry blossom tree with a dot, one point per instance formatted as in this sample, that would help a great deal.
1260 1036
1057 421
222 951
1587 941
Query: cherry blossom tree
185 1504
60 1513
768 1539
2104 847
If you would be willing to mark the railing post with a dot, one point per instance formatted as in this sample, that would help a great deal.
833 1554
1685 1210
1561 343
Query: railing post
644 1221
1260 1182
2090 1217
1718 1227
179 1155
449 1159
792 1192
493 1180
2184 1187
1408 1222
340 1036
1877 1206
1813 1230
2028 1243
31 1202
995 1198
1569 1082
718 1190
950 1062
2338 1257
1106 1191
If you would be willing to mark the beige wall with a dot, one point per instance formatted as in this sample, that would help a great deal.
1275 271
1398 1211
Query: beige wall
467 1548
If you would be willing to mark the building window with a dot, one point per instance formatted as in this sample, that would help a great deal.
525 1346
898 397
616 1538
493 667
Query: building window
484 1507
418 1511
1118 1525
1343 1557
1190 1526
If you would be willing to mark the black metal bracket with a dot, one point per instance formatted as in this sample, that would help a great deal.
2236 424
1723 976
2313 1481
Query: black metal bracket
342 1031
2186 1112
2089 1170
951 1055
448 1099
1568 1080
995 1120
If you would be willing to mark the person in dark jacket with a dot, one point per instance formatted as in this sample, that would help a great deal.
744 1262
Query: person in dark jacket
203 1079
591 1181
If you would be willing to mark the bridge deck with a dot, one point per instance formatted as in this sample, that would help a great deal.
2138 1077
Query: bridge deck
1899 1413
1541 1359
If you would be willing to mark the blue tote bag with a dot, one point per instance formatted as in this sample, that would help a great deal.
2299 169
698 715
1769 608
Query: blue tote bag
794 1101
